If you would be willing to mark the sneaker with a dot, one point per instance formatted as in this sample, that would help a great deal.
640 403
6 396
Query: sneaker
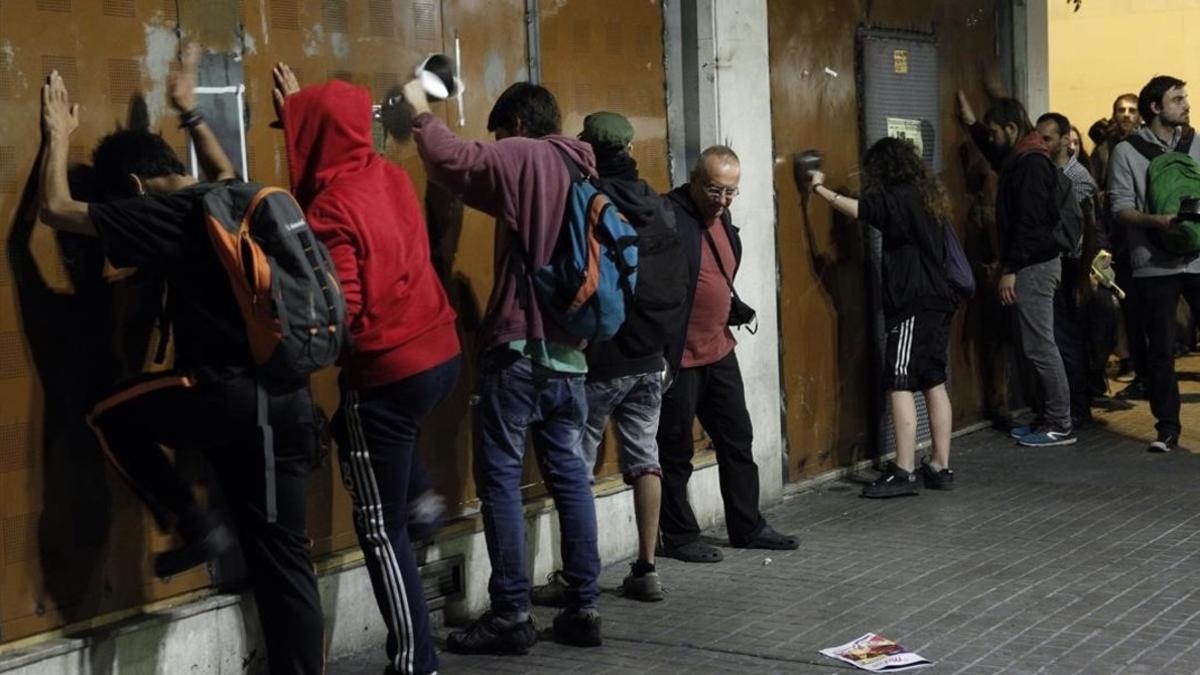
578 627
1017 433
494 634
208 541
1165 443
553 593
645 587
1048 438
425 516
935 480
767 538
895 482
1136 391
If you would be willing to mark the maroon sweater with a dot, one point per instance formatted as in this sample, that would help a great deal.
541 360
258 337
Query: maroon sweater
366 212
523 183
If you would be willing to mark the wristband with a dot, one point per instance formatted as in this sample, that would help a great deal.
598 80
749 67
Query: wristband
190 118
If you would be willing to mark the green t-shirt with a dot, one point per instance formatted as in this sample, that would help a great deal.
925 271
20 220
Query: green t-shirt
552 355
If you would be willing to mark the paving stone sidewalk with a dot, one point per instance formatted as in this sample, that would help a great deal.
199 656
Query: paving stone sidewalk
1083 559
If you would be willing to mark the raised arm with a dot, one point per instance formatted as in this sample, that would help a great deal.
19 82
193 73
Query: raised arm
472 169
60 118
847 206
182 88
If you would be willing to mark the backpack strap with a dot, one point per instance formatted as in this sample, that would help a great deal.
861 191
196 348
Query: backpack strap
573 169
266 438
1149 150
1185 140
725 275
520 260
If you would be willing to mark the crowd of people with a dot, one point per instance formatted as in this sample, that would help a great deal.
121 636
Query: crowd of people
671 363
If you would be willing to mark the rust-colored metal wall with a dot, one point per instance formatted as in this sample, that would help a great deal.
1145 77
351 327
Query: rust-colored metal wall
74 543
826 328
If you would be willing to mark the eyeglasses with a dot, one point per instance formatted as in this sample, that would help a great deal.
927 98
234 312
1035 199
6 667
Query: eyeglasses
718 191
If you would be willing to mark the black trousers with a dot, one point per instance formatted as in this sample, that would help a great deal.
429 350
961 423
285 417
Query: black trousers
1160 300
1068 335
714 394
1132 308
1100 337
377 430
215 413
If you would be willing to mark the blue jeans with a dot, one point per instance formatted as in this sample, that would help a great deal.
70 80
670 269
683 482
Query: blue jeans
512 396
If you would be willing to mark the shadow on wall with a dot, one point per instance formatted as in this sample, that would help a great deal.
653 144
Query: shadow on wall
844 275
989 328
69 335
451 419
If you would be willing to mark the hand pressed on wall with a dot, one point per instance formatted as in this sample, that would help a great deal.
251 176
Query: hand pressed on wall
60 117
286 84
181 85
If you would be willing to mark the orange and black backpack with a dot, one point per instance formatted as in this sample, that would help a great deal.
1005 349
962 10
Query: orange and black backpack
282 276
287 290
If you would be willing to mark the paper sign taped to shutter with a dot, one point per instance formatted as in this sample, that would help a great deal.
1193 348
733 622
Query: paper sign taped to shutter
900 60
909 130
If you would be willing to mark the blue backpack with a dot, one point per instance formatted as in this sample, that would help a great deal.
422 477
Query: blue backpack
592 271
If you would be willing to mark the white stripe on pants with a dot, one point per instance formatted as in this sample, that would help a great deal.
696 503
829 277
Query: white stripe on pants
370 504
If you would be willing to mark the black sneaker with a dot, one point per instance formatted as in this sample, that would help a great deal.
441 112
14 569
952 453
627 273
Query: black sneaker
895 482
207 541
1165 443
935 480
1135 391
578 627
645 586
494 634
553 593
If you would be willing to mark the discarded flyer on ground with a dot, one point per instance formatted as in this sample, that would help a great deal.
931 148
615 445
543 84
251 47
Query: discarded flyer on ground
877 654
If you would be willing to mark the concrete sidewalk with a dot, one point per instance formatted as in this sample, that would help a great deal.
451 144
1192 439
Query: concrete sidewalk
1084 559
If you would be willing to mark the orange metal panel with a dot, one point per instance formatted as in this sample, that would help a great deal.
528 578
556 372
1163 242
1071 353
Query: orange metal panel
825 332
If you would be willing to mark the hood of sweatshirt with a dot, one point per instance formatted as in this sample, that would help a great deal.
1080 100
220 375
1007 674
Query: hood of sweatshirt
328 132
1031 142
639 203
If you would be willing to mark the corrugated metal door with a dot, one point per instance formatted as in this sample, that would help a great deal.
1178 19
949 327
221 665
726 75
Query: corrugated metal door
899 90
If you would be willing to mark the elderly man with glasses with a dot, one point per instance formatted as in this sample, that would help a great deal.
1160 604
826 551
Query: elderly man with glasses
707 381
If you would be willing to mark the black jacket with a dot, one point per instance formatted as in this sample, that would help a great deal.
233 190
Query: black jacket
691 226
622 355
914 245
1026 212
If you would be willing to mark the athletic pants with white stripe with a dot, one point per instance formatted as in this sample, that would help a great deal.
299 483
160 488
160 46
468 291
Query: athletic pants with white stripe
376 430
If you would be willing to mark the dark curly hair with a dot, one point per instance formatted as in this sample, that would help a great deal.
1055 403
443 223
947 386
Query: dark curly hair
893 162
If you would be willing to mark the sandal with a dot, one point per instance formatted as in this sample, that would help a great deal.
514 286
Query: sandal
695 552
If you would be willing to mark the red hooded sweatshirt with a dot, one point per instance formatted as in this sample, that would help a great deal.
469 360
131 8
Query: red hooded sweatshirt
365 210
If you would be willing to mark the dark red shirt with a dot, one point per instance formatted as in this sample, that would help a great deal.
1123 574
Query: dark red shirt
708 336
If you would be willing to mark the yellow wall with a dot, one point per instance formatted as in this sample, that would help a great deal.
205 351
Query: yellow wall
1110 47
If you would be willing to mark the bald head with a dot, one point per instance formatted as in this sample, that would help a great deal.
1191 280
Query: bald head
714 180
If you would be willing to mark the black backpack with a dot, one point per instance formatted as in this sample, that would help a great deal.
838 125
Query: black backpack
655 313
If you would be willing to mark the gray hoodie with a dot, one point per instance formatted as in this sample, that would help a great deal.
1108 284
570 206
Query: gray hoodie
1127 190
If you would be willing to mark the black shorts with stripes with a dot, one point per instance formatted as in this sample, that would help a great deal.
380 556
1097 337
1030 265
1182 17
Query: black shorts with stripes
915 358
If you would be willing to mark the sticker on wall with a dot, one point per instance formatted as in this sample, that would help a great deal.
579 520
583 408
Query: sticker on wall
909 130
900 61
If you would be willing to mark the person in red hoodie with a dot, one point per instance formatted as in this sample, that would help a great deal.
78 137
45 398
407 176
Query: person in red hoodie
405 356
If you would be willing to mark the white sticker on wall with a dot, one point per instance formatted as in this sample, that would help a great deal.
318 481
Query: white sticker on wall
909 130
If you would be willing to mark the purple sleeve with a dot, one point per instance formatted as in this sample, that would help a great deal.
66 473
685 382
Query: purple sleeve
479 172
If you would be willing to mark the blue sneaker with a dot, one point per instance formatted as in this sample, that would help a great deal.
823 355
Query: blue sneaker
1017 433
1047 438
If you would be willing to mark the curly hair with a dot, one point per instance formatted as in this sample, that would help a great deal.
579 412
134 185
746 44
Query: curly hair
893 162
